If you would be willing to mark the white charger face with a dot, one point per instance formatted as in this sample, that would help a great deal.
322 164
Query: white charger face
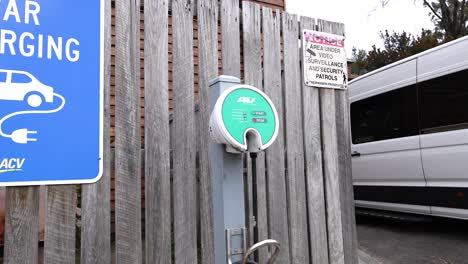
245 119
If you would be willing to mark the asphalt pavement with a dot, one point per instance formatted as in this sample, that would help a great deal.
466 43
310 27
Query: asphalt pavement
434 241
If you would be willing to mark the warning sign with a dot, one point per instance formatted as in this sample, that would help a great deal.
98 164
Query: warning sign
324 60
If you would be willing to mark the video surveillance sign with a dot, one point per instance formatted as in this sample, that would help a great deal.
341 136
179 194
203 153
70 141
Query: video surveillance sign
51 91
324 60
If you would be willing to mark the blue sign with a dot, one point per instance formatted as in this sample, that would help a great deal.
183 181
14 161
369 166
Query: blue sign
51 91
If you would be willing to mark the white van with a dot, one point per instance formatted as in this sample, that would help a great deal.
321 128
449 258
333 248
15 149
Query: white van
409 124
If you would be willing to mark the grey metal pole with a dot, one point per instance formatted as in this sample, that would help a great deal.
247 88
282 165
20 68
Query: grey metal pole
228 190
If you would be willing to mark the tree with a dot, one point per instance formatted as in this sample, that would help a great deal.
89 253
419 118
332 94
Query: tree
359 65
397 46
449 16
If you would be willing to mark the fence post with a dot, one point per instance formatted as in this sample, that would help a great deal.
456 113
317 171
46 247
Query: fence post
252 24
184 144
60 224
339 220
276 181
208 70
127 140
21 225
95 202
294 136
157 145
313 165
230 41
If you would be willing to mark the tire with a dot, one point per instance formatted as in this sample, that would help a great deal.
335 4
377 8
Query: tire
34 99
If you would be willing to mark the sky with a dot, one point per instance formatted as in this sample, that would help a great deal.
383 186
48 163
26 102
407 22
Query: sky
364 19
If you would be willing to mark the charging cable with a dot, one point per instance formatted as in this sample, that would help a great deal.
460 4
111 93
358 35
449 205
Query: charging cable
22 135
253 156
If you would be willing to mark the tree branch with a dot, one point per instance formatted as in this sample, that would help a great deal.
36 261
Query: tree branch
432 9
463 12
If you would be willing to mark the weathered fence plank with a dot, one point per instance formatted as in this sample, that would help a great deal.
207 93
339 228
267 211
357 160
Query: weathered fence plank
127 140
230 41
313 166
184 144
346 179
252 23
21 225
208 70
157 156
348 215
295 179
331 175
331 167
277 206
60 224
95 202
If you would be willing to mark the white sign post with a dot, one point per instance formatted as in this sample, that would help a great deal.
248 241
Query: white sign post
324 60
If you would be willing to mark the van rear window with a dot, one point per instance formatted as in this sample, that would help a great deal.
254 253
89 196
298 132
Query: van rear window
444 103
385 116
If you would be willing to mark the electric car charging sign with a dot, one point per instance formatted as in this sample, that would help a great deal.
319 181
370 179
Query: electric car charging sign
51 91
242 109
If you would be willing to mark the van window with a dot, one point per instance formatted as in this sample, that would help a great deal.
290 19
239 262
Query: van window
3 76
385 116
20 78
444 103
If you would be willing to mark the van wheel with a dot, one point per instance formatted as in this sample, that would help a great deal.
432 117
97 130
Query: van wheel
34 100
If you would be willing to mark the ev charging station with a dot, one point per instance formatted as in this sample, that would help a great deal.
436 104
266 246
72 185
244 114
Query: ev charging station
243 119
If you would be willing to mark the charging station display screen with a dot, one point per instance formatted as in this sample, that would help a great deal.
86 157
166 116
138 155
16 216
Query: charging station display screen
245 108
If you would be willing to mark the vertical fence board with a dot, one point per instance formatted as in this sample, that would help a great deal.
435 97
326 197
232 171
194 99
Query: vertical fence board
208 70
157 156
95 202
346 180
277 207
230 41
127 140
331 175
60 225
313 166
348 216
185 228
21 225
295 179
252 23
331 167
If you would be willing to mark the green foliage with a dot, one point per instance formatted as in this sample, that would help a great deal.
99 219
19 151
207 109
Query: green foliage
397 46
359 66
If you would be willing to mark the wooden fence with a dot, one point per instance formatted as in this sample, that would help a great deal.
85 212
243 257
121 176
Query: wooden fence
305 198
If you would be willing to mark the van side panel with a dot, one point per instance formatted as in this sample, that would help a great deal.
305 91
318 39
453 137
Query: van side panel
443 61
424 172
443 93
390 160
395 162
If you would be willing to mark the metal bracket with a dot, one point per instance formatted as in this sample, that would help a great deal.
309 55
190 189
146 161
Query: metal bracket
231 250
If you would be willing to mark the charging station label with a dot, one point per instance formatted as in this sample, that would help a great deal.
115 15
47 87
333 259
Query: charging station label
51 91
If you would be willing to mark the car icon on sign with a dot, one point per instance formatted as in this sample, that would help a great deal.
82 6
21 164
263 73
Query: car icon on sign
23 86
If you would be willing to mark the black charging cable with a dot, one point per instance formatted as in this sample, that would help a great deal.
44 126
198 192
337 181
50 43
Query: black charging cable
253 156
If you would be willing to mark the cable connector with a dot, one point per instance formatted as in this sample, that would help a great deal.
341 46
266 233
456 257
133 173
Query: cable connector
21 136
